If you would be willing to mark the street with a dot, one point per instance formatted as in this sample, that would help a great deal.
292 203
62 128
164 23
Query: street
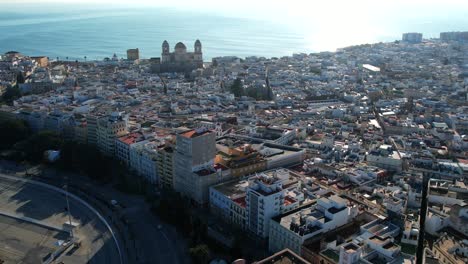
35 202
134 222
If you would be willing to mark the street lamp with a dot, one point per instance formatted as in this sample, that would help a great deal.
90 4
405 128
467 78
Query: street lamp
68 208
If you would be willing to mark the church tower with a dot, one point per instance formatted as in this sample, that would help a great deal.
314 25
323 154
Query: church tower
198 55
165 56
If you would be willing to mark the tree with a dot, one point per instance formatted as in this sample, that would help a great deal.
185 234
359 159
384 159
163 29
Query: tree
19 77
12 93
236 88
253 92
35 146
12 131
85 159
200 254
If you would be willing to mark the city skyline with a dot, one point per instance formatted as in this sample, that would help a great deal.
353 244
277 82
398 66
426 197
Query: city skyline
247 132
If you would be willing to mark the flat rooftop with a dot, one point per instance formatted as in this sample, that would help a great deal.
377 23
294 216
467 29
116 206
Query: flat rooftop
284 256
371 67
233 189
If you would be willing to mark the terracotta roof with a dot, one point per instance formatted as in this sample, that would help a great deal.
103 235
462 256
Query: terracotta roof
189 134
131 138
194 133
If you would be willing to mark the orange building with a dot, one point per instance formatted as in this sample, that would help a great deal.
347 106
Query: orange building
41 60
242 160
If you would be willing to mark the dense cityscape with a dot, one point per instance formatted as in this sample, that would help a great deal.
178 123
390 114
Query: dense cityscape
353 156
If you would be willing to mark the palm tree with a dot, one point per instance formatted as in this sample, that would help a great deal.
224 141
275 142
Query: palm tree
58 59
85 58
66 58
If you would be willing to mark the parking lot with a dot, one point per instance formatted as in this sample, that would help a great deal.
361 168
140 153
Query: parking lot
26 242
23 242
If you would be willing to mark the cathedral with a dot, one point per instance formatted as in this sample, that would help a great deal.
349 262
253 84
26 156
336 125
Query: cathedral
180 60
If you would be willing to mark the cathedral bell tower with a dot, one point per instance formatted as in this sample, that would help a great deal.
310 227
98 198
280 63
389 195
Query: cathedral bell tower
198 55
165 56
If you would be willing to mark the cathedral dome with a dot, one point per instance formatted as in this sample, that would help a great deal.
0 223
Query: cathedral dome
180 46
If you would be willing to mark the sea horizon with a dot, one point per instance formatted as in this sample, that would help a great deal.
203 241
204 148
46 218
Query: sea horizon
99 33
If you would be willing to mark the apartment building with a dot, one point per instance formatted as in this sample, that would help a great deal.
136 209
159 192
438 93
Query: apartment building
194 167
292 229
108 129
165 163
143 159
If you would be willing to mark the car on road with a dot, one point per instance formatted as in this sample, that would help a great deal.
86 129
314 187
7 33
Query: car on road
116 206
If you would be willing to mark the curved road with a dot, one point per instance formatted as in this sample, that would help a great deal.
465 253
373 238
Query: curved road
47 204
144 238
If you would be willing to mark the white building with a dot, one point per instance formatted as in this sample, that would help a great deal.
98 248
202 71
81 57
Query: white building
265 199
56 121
455 216
281 157
385 157
291 230
122 146
228 200
411 233
143 159
350 253
249 204
412 37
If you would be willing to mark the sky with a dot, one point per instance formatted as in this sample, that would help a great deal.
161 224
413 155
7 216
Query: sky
289 8
300 11
357 12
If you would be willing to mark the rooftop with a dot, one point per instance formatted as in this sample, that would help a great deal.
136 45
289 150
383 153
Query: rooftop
284 256
131 138
232 189
195 133
205 172
451 247
331 254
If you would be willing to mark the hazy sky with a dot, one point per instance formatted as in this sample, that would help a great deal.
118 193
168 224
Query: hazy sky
291 7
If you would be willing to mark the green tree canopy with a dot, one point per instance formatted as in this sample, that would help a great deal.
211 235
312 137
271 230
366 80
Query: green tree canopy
237 89
20 77
12 131
200 254
85 159
11 93
35 146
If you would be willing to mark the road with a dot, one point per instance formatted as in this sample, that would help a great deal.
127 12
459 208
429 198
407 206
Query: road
47 206
143 241
146 243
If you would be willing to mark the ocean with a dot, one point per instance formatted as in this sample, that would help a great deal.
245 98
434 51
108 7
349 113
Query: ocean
101 33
